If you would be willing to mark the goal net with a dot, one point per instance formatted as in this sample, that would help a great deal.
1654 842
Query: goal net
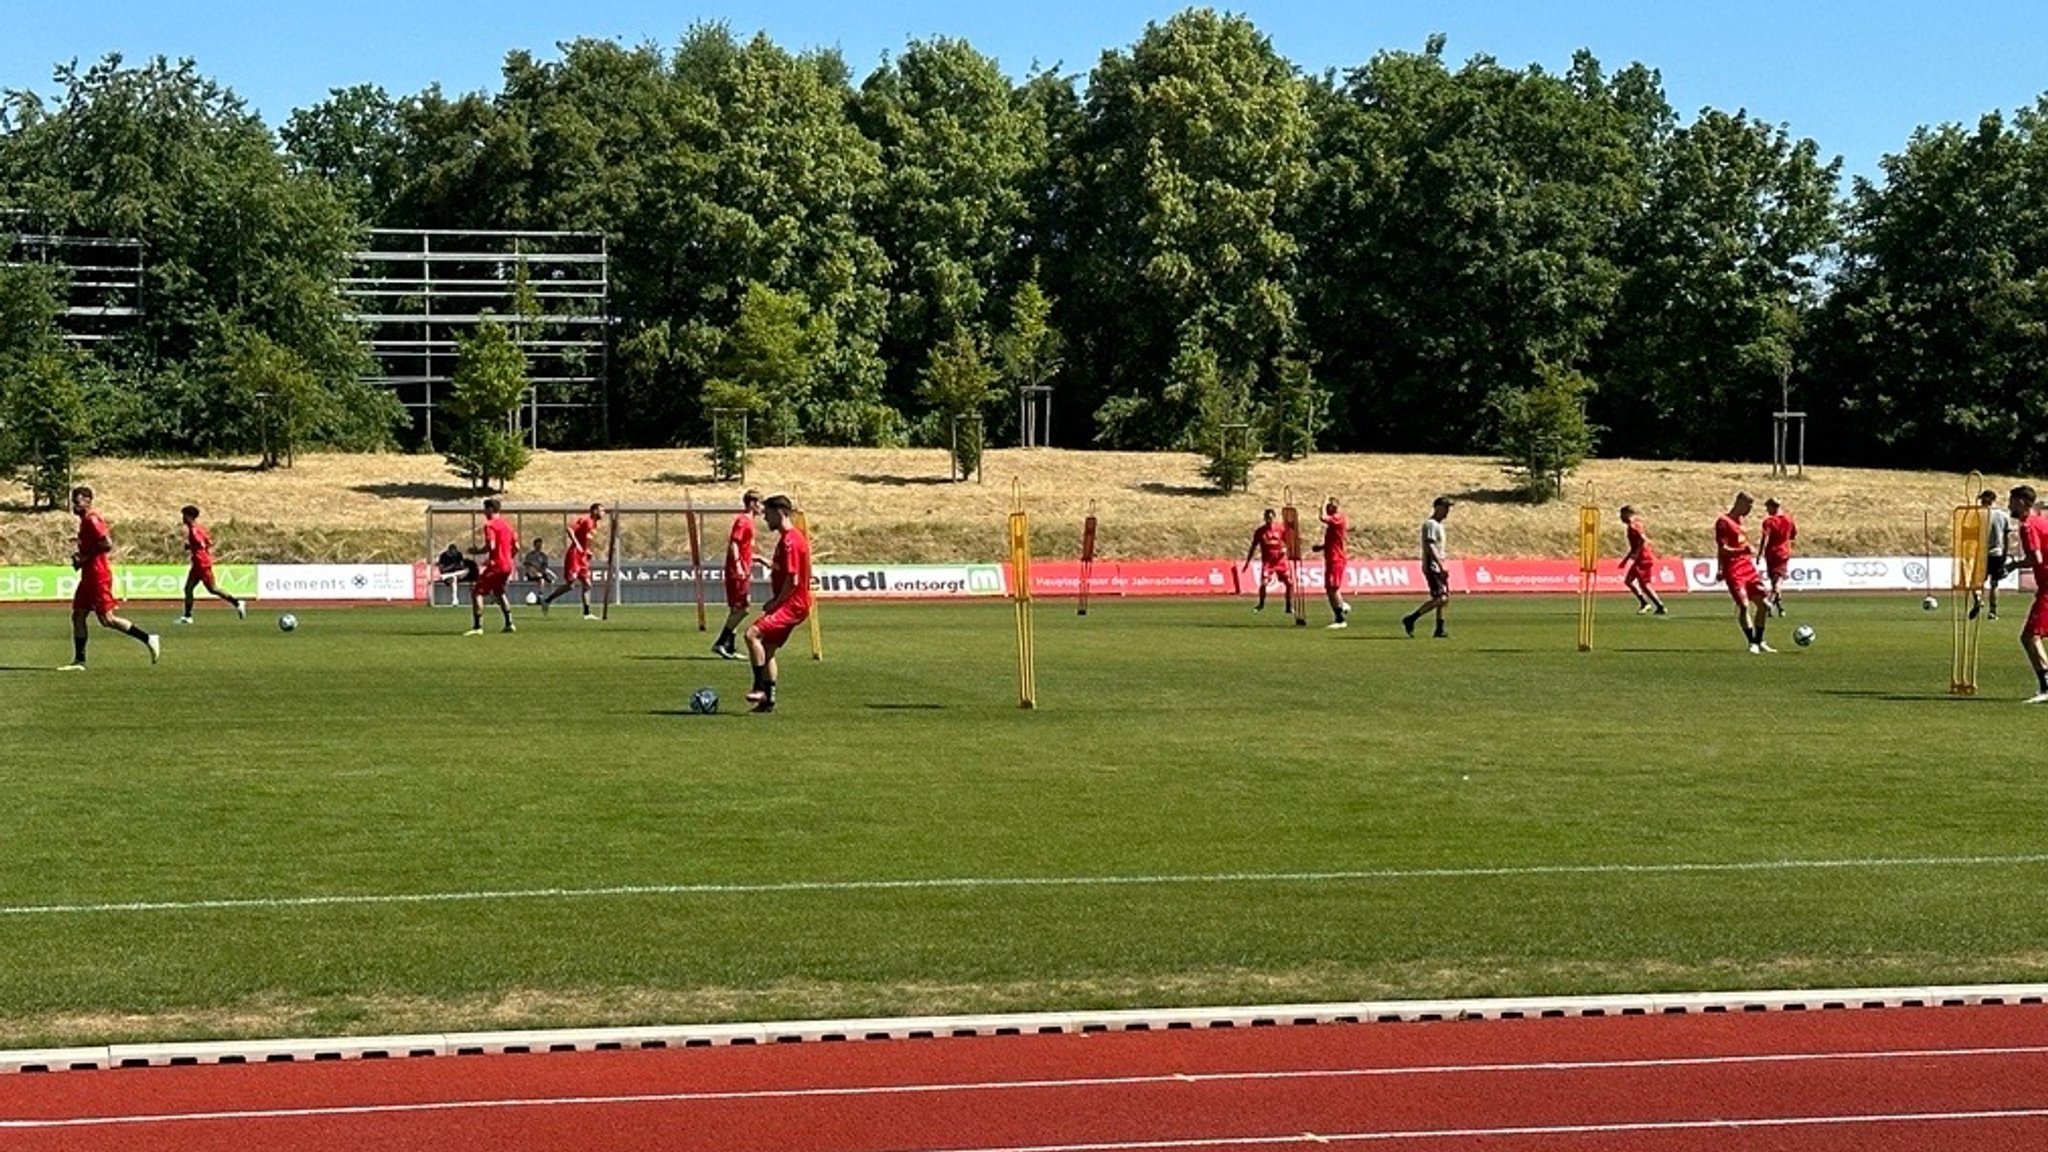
643 554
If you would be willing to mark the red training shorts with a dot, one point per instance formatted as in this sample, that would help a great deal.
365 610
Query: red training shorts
201 574
1777 566
1271 570
1644 571
775 628
738 590
576 567
95 594
1333 572
493 581
1746 587
2037 617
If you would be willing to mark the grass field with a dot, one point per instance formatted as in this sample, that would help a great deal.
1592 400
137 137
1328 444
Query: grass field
895 505
1515 817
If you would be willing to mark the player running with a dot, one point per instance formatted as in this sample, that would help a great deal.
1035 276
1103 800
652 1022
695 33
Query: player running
500 552
1336 532
576 561
738 575
95 593
1738 571
1997 553
2033 528
790 605
200 545
1436 569
1778 534
1640 564
1269 545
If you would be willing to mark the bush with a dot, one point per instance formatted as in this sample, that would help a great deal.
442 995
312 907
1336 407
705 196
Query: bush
489 386
1544 435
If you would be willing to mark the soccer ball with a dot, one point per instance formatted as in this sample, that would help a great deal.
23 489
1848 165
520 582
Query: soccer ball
532 598
1930 603
1803 635
287 623
703 701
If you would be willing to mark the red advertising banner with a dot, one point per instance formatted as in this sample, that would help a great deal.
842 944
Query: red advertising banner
1520 574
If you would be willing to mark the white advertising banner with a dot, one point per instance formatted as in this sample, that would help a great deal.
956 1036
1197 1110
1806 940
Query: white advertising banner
909 581
336 582
1841 573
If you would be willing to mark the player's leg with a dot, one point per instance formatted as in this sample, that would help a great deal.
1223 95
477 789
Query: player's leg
1742 616
476 609
1443 603
762 656
1265 582
214 589
191 585
504 601
78 637
1656 601
1336 598
115 623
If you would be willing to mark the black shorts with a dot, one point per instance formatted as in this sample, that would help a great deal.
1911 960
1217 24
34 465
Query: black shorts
1439 582
1994 569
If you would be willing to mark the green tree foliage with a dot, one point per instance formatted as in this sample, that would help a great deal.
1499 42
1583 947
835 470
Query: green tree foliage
1932 348
276 404
1194 148
959 385
489 386
1300 410
956 144
1543 432
45 425
1028 350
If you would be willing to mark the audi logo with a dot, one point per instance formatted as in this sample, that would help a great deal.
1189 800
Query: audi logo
1869 569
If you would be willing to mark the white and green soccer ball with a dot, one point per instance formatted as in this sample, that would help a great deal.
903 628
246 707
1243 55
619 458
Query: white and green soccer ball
532 598
703 701
1803 635
287 623
1930 604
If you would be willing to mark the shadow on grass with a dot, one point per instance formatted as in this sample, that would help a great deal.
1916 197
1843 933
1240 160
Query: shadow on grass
1901 697
689 479
418 490
902 481
707 658
220 467
906 707
10 669
1155 488
1491 496
686 714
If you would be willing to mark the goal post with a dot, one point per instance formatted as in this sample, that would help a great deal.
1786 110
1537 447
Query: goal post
651 552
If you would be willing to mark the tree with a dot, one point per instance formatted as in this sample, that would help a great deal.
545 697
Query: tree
351 141
1543 435
45 426
959 386
1300 410
278 403
1027 353
1187 171
489 387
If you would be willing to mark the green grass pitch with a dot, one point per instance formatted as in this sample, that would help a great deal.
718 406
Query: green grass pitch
379 753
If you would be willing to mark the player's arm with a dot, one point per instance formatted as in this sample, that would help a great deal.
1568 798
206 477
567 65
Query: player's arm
1252 551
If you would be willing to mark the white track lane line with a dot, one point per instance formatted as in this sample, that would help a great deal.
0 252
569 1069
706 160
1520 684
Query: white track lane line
884 1090
1011 882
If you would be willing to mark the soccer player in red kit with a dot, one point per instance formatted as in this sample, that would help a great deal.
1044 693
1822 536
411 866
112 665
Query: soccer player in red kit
1269 544
1778 534
1640 564
200 545
95 594
576 561
1335 532
501 554
738 574
2022 503
790 605
1738 570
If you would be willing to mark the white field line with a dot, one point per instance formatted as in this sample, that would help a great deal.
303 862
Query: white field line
1015 882
1172 1079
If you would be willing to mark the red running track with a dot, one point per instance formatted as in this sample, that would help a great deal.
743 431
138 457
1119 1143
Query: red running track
1943 1078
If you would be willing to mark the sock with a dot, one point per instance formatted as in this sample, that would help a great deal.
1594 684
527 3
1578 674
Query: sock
507 610
768 686
476 619
136 631
78 654
1409 619
2042 676
188 605
1262 597
724 639
760 678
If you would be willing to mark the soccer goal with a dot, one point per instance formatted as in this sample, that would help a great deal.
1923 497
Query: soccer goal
643 554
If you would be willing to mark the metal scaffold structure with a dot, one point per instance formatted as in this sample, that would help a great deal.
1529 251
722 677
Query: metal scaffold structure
418 291
103 274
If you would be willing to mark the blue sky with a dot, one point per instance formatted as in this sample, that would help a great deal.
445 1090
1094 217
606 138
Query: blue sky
1857 77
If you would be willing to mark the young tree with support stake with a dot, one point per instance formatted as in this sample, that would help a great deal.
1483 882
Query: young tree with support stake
490 385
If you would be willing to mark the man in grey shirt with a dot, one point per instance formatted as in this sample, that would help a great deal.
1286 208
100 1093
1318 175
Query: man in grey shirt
1997 537
1435 569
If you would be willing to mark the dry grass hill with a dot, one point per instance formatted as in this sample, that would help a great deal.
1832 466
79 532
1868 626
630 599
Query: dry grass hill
897 504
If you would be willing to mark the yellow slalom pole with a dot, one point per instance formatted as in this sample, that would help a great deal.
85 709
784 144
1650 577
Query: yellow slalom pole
816 630
1020 585
1589 568
1968 560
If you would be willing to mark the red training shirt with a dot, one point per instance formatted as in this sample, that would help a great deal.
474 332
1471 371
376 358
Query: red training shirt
739 553
1271 541
95 544
198 543
501 543
2034 540
1639 541
1779 532
793 568
1733 543
580 533
1335 529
